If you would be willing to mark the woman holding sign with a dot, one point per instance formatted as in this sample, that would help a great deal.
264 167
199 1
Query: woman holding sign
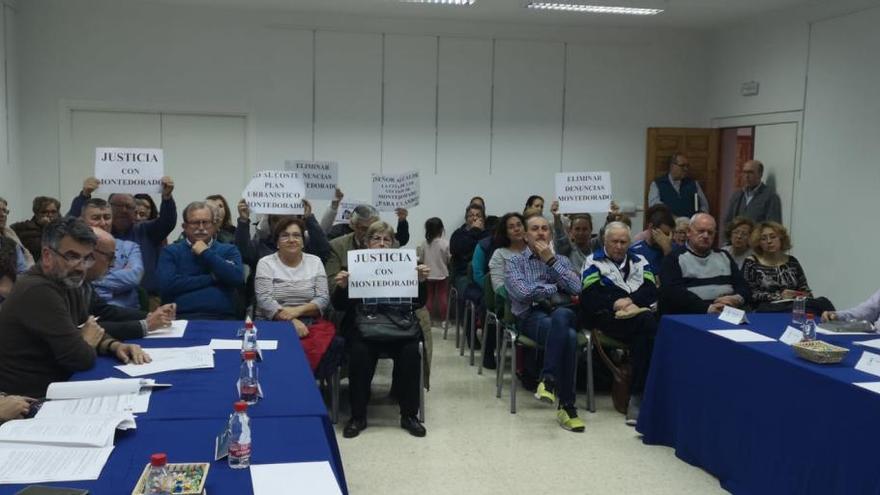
291 285
382 327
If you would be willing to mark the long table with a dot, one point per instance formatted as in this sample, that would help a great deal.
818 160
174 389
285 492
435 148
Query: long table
756 416
290 424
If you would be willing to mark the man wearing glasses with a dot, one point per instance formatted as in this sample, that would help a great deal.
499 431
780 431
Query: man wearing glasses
200 274
149 235
676 190
119 285
46 332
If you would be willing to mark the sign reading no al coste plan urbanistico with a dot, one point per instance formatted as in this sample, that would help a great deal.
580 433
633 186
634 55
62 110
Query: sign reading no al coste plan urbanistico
395 191
275 192
382 273
583 192
320 177
129 170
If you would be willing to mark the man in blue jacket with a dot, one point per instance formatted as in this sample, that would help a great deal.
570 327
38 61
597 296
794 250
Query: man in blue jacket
199 274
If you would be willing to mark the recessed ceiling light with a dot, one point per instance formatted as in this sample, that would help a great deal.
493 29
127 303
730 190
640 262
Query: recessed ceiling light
464 3
594 9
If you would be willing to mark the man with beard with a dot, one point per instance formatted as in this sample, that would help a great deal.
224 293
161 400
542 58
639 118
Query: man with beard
46 333
198 273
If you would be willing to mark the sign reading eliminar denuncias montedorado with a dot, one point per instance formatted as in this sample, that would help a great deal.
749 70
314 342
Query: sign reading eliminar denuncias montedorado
583 192
382 273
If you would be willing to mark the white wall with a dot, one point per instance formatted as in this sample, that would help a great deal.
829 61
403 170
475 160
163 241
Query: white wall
10 184
819 101
503 141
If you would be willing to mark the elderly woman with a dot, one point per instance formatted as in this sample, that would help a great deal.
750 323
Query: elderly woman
291 285
775 276
225 229
738 233
680 233
364 347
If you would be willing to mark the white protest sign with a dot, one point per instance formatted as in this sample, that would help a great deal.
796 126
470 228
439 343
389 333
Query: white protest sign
320 177
382 273
343 213
395 191
275 192
733 315
583 192
129 170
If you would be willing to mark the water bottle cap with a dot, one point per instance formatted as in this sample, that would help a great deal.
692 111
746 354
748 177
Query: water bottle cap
249 324
240 406
811 316
158 460
250 355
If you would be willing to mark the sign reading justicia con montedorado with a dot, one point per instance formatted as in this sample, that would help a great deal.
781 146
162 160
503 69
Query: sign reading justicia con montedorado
129 170
382 273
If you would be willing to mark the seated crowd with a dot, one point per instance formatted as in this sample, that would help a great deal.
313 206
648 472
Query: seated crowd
77 286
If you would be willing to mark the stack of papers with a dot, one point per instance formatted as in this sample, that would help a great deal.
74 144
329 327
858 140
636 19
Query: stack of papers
175 331
170 359
87 398
35 464
81 431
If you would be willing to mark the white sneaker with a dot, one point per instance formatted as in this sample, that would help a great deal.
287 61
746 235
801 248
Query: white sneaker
632 410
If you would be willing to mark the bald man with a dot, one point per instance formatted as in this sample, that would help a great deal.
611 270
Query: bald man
120 322
700 278
755 200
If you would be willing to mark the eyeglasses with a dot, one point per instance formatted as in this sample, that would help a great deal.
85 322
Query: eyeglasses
111 257
74 259
285 237
768 238
199 223
738 234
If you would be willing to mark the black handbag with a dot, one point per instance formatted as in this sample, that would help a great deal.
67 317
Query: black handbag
557 300
387 322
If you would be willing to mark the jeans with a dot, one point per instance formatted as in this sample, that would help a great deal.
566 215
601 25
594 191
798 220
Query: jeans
556 333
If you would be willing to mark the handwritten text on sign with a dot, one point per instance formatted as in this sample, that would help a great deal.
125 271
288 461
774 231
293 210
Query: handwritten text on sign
129 170
583 192
320 177
275 192
395 191
382 273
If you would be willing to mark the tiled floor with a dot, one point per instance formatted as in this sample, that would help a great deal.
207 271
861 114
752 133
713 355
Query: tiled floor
475 446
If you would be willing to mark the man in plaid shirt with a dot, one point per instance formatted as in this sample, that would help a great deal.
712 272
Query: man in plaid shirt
532 279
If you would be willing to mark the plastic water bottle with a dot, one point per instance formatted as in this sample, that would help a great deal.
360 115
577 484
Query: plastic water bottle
810 327
239 437
798 311
249 337
158 481
248 379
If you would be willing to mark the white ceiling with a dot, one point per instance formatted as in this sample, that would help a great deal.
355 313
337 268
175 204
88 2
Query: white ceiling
691 14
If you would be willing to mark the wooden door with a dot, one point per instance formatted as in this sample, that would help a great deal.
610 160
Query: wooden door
700 146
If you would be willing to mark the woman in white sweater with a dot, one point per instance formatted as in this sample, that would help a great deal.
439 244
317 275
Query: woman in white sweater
291 285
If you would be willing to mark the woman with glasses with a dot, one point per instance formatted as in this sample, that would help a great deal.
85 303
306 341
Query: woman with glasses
364 348
774 276
738 233
291 285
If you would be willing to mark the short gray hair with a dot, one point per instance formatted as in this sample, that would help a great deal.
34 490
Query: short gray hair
72 227
611 227
199 205
682 222
364 212
380 227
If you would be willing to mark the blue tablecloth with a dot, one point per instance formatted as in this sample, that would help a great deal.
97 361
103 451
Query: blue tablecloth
756 416
291 439
290 424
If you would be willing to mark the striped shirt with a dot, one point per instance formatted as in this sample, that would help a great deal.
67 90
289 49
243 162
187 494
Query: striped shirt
529 279
278 285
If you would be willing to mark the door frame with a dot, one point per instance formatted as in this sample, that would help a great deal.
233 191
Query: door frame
66 108
785 117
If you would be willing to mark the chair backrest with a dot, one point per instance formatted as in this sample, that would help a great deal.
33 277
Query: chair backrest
489 295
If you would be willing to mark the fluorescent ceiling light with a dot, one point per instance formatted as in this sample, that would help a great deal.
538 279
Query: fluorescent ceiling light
594 9
441 2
